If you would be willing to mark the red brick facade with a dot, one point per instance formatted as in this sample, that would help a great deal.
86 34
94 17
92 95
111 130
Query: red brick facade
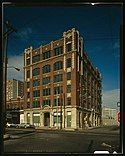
85 79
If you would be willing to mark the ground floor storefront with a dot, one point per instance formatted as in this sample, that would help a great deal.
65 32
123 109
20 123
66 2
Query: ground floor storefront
62 118
13 116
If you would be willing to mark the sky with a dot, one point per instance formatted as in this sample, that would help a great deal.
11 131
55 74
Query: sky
99 25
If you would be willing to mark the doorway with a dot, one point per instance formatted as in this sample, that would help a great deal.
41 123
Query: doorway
47 119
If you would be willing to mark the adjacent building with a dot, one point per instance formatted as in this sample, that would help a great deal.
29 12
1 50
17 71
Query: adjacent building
109 116
14 100
14 89
62 88
17 103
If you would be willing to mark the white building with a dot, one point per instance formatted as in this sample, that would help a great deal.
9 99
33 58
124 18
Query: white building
109 116
15 89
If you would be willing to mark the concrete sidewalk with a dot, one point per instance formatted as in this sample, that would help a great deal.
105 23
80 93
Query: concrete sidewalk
95 130
9 136
6 137
104 130
15 136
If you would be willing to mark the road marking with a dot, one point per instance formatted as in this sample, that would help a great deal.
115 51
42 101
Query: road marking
101 152
114 152
106 145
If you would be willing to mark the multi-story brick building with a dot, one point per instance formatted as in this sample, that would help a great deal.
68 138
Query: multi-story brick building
62 88
14 89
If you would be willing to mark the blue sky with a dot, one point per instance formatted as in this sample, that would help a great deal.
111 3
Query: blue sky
98 25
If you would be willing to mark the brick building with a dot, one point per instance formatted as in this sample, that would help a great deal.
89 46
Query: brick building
14 108
62 88
17 103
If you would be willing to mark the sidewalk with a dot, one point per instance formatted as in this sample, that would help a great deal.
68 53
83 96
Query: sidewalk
16 135
87 130
6 137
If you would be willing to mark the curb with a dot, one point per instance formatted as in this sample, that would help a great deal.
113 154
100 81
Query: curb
77 131
54 130
17 137
26 134
7 136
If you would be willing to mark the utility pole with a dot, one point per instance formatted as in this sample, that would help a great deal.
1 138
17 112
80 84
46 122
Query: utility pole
61 111
9 30
57 110
64 107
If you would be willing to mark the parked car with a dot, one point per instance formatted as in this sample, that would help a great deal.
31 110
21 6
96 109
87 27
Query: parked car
8 124
25 125
11 125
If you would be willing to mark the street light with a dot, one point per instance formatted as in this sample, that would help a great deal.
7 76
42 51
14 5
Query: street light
14 68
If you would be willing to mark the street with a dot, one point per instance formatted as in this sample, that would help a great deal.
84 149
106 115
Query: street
66 142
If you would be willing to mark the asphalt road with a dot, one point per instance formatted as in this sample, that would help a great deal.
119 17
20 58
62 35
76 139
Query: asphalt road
30 141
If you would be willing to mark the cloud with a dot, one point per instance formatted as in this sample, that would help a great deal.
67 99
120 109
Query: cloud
110 98
24 34
18 62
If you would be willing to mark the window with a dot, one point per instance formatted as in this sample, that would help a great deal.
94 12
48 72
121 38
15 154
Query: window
58 51
28 61
69 101
28 105
68 119
35 58
36 104
57 102
68 88
58 90
36 71
55 119
46 91
58 65
28 84
36 83
68 47
46 102
46 55
58 78
46 69
36 93
79 77
28 94
69 76
28 73
68 62
46 80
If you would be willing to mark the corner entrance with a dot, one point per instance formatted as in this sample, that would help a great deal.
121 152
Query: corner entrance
46 119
